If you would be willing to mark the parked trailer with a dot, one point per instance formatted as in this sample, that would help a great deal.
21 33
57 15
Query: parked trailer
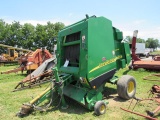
141 50
89 53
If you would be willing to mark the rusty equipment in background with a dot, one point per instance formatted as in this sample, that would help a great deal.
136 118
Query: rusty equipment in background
41 75
11 54
146 64
155 90
31 61
152 77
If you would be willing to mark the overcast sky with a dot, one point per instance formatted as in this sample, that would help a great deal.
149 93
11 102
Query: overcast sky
126 15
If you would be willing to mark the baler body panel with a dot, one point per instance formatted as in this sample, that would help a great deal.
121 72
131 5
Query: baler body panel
91 50
100 49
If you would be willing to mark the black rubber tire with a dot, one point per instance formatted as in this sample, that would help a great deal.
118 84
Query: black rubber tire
126 87
98 106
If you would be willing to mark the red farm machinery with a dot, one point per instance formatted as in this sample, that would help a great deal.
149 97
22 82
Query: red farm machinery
31 61
153 64
38 65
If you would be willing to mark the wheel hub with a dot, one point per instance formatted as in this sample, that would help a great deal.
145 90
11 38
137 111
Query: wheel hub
102 108
130 87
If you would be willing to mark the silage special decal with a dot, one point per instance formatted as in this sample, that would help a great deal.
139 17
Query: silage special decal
106 63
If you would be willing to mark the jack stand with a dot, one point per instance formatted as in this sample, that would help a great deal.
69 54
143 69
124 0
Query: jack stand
64 104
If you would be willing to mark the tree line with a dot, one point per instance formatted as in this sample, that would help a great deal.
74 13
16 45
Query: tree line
149 43
32 37
28 36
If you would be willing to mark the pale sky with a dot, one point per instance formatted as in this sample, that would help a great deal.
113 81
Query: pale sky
126 15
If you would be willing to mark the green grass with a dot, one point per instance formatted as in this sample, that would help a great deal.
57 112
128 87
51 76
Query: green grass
10 102
157 52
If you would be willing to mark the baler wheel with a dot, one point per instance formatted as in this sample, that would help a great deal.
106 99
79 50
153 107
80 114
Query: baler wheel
100 108
126 87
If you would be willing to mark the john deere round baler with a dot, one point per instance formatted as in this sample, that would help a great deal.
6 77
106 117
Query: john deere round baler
89 53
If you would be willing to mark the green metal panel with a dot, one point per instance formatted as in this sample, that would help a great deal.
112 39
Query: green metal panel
100 47
84 96
127 52
119 48
123 63
61 38
118 35
71 70
71 91
72 43
100 44
94 50
91 97
84 57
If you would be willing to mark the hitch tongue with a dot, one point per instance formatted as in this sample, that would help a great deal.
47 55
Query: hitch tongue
25 110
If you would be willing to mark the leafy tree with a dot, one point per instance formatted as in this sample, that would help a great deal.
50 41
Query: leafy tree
152 43
13 33
58 27
129 39
40 38
46 34
139 40
2 31
52 33
28 36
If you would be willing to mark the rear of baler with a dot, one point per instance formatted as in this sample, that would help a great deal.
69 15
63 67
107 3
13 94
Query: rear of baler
89 53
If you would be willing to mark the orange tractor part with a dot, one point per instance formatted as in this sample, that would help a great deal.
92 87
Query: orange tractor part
31 61
36 58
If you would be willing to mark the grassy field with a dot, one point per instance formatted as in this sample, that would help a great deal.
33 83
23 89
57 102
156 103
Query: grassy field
10 102
157 52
